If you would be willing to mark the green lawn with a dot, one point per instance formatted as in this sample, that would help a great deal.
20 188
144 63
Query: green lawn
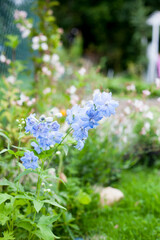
136 217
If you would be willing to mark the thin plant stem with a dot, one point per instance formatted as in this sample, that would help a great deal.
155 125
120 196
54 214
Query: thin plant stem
68 132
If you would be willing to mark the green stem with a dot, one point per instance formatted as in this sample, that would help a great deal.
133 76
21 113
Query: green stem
19 145
39 182
68 132
60 168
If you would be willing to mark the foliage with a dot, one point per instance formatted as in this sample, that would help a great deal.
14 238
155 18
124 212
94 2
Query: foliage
114 29
135 217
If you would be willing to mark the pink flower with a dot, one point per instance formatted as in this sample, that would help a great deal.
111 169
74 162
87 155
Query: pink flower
146 93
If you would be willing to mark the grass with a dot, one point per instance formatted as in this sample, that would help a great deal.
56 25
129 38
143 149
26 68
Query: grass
137 217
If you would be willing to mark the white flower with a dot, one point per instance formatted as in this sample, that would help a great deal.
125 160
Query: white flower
11 79
47 90
54 110
140 106
54 59
23 98
147 126
35 39
20 14
158 99
149 115
46 71
8 61
46 58
74 99
31 102
49 119
2 58
82 71
25 33
58 153
127 110
71 90
58 115
158 132
96 91
60 70
146 92
35 46
29 25
44 46
43 38
131 87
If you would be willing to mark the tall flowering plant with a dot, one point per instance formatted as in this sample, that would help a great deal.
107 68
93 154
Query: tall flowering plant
37 216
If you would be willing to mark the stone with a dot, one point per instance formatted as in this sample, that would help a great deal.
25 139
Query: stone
109 195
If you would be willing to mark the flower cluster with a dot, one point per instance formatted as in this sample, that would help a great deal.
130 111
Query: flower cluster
73 96
4 59
84 118
39 42
23 24
23 98
82 71
55 64
45 130
29 160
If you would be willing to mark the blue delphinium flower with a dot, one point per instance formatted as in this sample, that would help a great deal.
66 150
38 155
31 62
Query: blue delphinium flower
73 114
92 117
29 160
36 147
104 103
45 130
88 117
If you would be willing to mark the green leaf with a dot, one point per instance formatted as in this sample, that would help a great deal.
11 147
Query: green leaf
12 41
5 210
4 197
26 224
37 205
3 219
46 232
8 236
54 203
65 148
5 136
83 198
5 182
19 153
11 152
47 220
25 173
24 197
68 218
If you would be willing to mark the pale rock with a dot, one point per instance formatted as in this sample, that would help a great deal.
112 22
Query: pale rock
109 195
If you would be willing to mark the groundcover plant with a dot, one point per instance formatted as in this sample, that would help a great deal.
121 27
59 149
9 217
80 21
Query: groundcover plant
28 212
